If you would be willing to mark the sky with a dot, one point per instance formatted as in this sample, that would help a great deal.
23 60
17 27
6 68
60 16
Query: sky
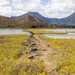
48 8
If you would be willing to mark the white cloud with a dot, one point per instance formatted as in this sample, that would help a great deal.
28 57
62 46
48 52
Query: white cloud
60 8
5 8
26 5
54 8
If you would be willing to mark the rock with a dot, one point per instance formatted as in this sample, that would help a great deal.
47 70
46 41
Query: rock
26 52
48 46
33 44
26 44
31 57
42 60
44 50
34 49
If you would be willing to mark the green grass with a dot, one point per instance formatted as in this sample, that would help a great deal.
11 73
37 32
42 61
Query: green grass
42 31
12 62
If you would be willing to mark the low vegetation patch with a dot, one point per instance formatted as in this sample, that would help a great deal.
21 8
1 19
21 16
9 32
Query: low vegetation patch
13 60
64 58
43 31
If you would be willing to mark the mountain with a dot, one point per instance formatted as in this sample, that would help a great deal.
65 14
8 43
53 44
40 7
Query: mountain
70 19
5 20
29 20
36 14
67 20
24 21
36 19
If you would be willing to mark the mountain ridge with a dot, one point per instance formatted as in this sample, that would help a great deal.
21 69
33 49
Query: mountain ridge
36 19
6 20
24 22
67 20
30 19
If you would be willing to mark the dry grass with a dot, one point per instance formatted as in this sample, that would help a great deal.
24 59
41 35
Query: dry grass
42 31
63 55
13 57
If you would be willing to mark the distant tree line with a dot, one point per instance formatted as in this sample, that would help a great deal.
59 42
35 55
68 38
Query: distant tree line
36 26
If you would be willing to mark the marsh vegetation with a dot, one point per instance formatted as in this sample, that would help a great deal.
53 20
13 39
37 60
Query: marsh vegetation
21 54
44 31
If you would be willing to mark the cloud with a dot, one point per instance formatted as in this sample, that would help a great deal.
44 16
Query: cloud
27 5
49 8
5 8
60 8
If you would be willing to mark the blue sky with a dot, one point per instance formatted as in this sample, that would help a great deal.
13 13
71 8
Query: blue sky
48 8
45 2
10 1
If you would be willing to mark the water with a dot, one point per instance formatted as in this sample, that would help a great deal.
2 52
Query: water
12 31
71 33
62 30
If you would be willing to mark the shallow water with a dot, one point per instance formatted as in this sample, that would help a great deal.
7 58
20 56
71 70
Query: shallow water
62 30
71 33
12 31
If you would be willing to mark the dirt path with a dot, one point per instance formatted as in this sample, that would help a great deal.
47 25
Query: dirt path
36 47
35 42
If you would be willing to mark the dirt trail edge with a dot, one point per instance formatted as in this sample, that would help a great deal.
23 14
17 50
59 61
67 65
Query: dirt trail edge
40 47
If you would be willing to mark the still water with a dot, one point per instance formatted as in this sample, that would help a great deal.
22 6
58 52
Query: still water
71 32
69 35
12 31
